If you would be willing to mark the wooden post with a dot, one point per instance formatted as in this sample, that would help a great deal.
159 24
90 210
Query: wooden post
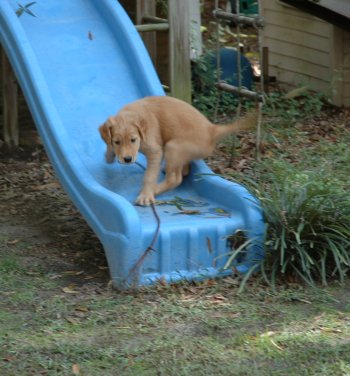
195 29
147 8
10 101
179 49
265 68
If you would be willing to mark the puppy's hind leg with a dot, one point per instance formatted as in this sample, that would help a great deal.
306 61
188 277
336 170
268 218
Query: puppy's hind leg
173 178
186 169
175 169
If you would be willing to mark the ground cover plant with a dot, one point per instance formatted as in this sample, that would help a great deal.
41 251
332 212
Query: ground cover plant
308 225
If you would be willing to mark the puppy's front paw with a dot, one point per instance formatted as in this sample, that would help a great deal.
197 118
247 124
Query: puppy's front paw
145 199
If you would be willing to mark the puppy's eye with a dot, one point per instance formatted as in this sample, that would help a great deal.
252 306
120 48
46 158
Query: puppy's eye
117 142
133 140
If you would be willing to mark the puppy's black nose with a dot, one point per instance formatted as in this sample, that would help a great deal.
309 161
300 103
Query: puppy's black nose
127 159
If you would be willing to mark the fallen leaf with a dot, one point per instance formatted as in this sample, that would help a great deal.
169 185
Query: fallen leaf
32 273
241 164
210 282
7 293
53 185
73 272
9 358
70 290
267 334
330 330
76 369
79 314
188 298
190 212
88 277
210 249
72 320
219 212
55 276
232 281
13 242
162 281
269 154
82 309
216 299
301 300
43 220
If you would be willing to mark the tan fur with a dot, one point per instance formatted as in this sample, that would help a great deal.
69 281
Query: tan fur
163 128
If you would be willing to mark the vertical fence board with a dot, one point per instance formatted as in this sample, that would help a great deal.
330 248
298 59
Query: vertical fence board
179 49
147 7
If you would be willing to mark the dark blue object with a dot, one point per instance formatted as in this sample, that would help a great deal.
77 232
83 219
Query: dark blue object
228 67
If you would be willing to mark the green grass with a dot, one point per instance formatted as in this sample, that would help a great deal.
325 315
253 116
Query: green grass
184 330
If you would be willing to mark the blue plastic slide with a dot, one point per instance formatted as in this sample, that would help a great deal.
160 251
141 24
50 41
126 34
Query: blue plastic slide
78 62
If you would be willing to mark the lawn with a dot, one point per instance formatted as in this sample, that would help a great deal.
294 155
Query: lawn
57 319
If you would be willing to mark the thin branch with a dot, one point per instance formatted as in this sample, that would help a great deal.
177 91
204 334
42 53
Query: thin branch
150 248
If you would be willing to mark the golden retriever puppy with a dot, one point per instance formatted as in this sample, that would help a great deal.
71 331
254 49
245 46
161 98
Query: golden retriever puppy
163 128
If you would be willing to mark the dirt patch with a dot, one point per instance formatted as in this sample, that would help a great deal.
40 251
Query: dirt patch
39 222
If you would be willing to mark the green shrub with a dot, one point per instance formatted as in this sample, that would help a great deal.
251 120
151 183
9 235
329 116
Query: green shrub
308 227
307 218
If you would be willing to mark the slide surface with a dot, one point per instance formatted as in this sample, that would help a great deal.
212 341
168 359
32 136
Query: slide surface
79 62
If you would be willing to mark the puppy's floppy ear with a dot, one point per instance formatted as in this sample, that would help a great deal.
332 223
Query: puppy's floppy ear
141 126
105 132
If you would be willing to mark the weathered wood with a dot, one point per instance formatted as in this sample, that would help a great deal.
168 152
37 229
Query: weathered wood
10 102
147 7
152 19
297 50
152 27
305 50
180 49
195 29
239 91
302 70
265 68
239 19
337 65
336 12
338 6
311 41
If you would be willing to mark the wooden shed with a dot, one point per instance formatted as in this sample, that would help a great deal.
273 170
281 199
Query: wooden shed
309 44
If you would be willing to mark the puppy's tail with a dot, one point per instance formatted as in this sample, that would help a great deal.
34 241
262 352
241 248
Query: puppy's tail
242 124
